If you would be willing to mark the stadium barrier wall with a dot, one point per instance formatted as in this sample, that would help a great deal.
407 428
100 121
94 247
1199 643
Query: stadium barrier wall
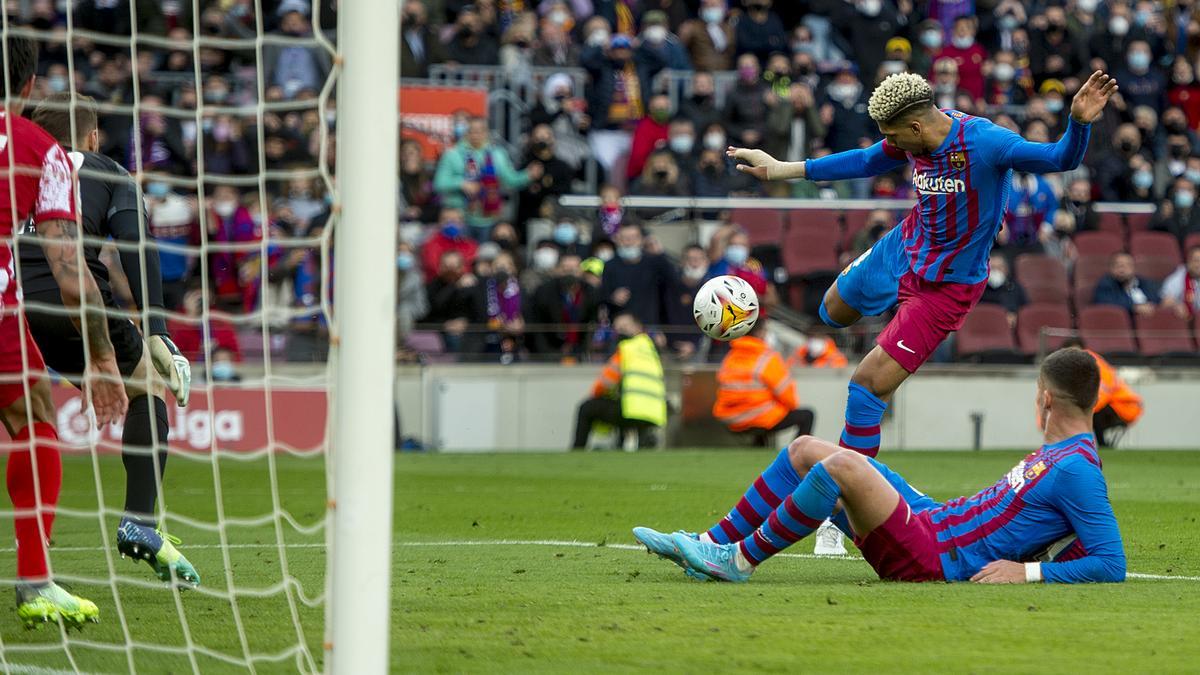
484 408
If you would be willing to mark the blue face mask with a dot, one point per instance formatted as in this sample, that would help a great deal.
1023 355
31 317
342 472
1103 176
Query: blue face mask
629 253
1185 199
565 234
737 254
1143 179
222 371
1193 175
460 130
1054 105
404 261
158 190
452 229
1139 61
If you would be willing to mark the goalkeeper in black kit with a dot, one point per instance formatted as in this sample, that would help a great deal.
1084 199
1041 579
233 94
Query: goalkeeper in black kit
110 207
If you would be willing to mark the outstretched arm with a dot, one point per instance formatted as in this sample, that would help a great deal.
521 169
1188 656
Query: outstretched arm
862 163
1067 153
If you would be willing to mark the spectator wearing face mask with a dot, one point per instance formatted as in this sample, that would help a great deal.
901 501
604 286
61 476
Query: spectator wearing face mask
567 303
701 106
967 54
637 282
746 105
555 180
500 297
450 236
1002 289
1181 289
1057 243
1031 207
234 275
946 88
473 43
1141 181
542 262
817 351
1115 172
1177 213
681 141
650 133
1172 164
1124 288
416 184
1007 86
477 177
730 248
930 37
555 49
1078 202
693 271
759 32
411 301
453 303
658 38
566 238
845 113
713 178
1055 50
619 92
661 178
1184 92
1141 83
420 46
710 39
173 220
567 118
879 222
866 25
223 369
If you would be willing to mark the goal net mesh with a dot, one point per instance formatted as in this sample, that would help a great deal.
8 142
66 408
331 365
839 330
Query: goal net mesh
224 114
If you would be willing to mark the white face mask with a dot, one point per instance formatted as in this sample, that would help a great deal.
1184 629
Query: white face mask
545 259
1088 6
598 38
694 273
1004 72
225 208
656 34
714 140
817 347
682 144
870 7
1118 26
712 14
963 41
996 278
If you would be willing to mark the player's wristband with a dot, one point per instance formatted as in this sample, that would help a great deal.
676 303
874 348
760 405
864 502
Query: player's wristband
1033 573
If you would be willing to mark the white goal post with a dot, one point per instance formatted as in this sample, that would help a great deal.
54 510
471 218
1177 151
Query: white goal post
363 341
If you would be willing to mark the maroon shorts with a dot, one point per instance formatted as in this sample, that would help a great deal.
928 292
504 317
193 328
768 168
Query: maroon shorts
904 547
928 311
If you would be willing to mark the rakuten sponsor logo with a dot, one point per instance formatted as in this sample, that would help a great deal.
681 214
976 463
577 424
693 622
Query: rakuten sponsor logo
925 183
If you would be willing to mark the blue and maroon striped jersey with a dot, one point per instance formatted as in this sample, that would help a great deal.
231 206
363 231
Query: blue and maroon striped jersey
1054 492
962 189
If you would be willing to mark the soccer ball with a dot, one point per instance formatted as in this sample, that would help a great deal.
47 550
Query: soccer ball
725 307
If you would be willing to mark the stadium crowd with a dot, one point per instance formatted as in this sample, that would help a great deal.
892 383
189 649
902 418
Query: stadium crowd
490 264
801 75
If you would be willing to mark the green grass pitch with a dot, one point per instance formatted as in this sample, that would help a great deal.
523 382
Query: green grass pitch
472 594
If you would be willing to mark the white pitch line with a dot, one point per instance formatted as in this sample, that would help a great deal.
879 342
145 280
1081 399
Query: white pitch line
573 543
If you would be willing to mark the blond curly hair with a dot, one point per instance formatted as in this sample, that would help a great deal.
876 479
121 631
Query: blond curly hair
897 93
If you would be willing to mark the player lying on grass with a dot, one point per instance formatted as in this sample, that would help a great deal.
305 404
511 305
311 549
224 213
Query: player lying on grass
110 207
994 536
935 263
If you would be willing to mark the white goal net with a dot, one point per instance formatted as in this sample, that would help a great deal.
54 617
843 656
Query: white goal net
225 113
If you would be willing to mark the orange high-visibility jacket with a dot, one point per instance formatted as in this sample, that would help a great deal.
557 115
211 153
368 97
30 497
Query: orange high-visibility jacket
1116 393
610 377
754 388
831 358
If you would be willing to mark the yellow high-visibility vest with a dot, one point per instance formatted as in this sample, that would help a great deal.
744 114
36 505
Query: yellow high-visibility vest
643 392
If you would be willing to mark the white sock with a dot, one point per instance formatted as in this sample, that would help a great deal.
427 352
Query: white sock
742 563
706 539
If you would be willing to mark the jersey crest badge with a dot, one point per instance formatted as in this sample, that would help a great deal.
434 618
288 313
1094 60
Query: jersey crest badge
958 160
1035 470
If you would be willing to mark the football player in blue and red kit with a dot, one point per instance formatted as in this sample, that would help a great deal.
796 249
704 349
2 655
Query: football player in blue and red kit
934 265
995 536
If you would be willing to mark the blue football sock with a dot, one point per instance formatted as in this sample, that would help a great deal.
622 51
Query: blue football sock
764 495
864 413
798 516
